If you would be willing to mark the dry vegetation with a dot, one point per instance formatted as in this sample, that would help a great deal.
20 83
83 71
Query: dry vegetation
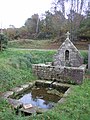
44 44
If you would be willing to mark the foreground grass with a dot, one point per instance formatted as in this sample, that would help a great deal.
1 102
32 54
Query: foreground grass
15 69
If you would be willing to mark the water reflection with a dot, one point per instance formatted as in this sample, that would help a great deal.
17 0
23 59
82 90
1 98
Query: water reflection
40 98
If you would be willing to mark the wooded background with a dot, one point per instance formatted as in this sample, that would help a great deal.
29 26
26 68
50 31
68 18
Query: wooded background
54 23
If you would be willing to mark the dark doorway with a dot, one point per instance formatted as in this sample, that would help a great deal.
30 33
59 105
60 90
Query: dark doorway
67 55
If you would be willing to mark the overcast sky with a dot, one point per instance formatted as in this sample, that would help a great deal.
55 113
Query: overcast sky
15 12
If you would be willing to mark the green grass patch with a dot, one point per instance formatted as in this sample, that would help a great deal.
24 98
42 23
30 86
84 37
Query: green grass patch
84 53
15 66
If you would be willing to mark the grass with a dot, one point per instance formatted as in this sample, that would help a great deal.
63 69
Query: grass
84 53
26 43
15 69
15 66
43 44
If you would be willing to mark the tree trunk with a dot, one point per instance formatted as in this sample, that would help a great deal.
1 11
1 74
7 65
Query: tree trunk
0 46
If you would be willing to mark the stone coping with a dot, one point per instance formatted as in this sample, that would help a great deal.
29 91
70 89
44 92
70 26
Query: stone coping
55 83
82 67
17 90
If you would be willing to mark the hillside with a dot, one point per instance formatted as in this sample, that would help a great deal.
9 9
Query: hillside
44 44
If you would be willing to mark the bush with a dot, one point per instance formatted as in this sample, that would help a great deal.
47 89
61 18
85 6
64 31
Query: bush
85 56
3 41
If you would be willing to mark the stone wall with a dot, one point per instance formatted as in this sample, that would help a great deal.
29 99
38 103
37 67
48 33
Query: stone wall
59 73
89 58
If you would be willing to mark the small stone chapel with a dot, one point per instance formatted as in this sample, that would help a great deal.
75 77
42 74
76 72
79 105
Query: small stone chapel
68 55
67 65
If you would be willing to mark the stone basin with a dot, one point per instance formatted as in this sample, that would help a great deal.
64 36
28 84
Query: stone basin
36 97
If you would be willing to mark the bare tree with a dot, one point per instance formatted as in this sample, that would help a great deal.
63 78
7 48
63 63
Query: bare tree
62 4
37 26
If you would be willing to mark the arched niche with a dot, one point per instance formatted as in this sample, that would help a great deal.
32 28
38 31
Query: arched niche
67 55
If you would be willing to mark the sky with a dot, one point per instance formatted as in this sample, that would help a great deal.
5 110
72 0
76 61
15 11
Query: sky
16 12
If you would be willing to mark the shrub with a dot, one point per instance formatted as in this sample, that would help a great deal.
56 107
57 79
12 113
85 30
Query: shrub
3 41
85 56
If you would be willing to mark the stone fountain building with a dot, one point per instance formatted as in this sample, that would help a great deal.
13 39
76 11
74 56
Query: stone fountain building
68 55
67 65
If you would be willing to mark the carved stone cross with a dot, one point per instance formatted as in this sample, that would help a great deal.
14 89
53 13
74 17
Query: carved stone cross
68 34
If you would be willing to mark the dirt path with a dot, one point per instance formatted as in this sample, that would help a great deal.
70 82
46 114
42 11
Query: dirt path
32 49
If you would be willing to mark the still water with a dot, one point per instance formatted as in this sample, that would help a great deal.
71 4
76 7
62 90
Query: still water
40 97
